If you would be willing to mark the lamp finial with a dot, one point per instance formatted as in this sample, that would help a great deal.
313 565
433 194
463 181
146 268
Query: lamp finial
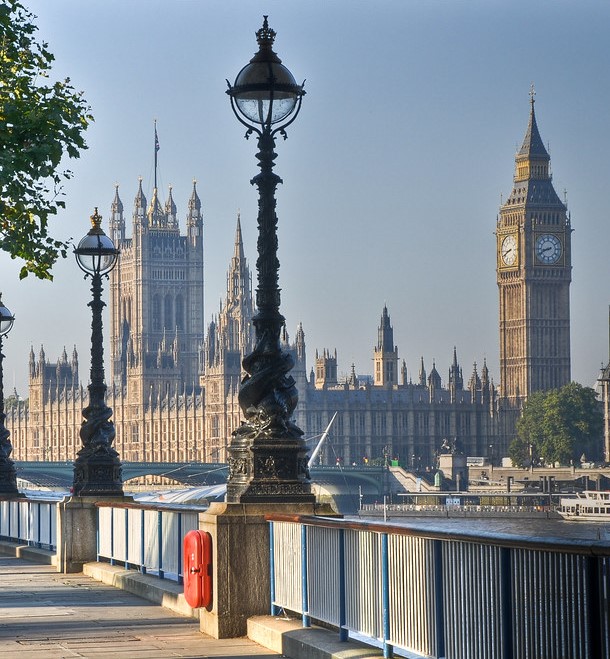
266 35
96 222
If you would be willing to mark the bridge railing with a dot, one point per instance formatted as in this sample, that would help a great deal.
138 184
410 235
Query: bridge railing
146 537
437 594
31 521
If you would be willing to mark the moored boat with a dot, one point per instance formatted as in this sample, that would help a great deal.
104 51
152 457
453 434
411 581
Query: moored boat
587 506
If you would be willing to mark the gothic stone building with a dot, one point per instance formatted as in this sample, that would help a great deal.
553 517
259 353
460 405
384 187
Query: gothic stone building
174 390
394 416
156 328
385 417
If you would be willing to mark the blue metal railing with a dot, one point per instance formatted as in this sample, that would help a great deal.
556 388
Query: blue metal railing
436 594
145 537
31 521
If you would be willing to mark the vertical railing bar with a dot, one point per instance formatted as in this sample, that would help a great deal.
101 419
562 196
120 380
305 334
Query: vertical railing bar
98 534
304 594
160 543
385 596
483 597
180 580
126 537
343 634
605 613
37 543
112 561
438 600
594 607
576 635
557 613
142 542
553 640
275 610
29 538
551 606
563 594
506 597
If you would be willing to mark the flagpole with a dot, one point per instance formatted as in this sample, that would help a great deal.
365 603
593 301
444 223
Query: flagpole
156 150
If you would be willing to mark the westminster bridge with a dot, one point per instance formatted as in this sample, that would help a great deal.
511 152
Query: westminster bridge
344 484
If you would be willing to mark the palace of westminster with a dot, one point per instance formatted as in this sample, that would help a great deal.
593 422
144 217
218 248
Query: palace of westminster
173 385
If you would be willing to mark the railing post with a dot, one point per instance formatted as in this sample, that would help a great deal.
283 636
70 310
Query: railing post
274 609
439 604
594 609
506 599
160 543
305 596
385 596
343 634
142 543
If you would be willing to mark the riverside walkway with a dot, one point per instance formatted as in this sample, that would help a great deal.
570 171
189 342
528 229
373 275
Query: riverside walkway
48 615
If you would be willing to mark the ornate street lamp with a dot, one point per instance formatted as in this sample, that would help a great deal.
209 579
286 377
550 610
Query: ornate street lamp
97 468
8 477
267 456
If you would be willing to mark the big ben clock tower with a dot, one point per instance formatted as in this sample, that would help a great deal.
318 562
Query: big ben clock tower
534 271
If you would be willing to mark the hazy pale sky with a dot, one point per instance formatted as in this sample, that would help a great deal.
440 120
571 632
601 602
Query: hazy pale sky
393 172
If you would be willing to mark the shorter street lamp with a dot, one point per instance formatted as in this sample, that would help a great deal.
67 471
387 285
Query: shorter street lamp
97 468
8 477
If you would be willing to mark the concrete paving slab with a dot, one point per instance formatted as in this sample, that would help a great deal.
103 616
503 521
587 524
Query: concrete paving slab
47 615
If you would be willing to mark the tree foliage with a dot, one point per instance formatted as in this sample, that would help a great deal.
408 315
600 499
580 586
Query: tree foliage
558 426
41 123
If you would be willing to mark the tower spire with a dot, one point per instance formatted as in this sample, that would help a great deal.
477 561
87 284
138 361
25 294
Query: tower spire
385 354
533 146
239 244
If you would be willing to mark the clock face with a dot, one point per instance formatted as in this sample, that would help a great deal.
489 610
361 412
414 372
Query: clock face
548 248
509 250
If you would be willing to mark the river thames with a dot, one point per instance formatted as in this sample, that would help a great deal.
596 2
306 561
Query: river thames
514 526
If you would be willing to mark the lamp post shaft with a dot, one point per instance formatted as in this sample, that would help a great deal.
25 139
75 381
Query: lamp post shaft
97 468
97 387
1 378
268 457
8 476
267 264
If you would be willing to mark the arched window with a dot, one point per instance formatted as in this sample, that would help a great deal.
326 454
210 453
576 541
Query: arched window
179 312
168 316
156 313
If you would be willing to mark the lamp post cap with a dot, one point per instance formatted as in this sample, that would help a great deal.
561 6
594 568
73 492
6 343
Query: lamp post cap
265 36
96 223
